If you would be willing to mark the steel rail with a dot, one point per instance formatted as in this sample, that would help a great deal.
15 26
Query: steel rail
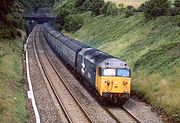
50 82
134 117
69 90
53 88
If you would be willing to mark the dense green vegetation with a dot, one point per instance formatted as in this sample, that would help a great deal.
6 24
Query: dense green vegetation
150 46
68 10
34 5
10 19
12 101
152 50
147 38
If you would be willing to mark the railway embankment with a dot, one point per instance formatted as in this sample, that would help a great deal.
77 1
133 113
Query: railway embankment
12 99
150 48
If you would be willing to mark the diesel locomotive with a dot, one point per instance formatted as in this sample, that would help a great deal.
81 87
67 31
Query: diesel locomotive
108 75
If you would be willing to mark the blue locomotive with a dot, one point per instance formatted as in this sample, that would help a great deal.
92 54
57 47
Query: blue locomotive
109 76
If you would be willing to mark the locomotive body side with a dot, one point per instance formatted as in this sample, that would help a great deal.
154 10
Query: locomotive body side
113 86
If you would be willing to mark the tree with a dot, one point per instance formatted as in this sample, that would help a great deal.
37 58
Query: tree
5 6
63 10
96 6
109 8
156 8
129 11
176 9
79 4
73 23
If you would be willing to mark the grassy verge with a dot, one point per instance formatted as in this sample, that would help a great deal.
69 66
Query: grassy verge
152 50
12 101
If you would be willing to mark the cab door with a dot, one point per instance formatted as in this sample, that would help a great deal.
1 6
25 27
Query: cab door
98 80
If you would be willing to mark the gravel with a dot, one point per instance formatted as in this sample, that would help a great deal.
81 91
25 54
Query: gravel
142 111
92 107
50 111
46 107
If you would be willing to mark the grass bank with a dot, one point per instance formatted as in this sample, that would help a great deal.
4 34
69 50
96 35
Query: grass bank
152 50
12 101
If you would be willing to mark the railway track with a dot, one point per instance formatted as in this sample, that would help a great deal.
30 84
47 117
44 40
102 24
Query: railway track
130 114
133 118
126 116
72 109
46 63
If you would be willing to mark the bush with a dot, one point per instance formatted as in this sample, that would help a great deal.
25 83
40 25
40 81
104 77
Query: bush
94 6
178 20
130 11
64 9
109 8
176 9
73 23
87 5
140 8
156 8
177 3
121 8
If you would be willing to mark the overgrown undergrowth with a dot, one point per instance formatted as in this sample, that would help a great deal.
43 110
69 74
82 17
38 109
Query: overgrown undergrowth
152 50
12 101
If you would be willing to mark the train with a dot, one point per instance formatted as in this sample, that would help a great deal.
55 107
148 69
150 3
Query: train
109 76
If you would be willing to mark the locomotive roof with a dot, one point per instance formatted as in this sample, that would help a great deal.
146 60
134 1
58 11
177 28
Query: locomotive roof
102 59
113 63
98 56
87 51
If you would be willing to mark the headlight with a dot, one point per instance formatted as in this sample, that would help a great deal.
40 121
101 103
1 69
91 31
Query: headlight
125 83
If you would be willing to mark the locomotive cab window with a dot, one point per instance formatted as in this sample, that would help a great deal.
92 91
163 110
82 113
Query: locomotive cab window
123 72
114 72
108 72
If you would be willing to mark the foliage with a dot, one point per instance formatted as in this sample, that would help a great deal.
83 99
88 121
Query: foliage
11 18
12 101
177 3
5 7
79 4
176 9
73 23
34 5
109 8
96 6
64 9
129 11
178 20
156 8
150 48
140 8
87 5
